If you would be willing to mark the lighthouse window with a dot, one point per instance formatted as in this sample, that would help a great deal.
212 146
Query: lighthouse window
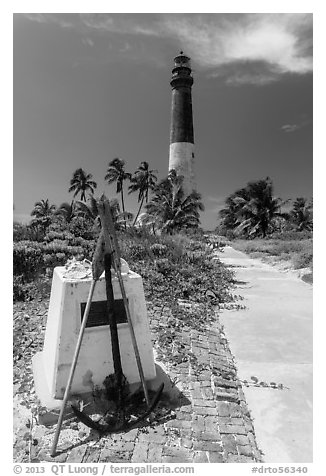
193 155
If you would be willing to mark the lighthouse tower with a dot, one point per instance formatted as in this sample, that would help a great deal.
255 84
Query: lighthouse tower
182 155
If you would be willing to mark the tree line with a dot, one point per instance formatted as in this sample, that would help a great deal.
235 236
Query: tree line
249 212
168 210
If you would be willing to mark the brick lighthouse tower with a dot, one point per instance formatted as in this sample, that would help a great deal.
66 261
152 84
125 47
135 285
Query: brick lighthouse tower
182 155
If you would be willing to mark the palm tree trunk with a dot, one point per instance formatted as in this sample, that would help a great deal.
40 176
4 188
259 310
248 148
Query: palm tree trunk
123 205
141 204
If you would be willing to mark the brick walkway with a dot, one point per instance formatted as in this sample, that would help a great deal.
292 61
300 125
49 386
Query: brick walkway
211 421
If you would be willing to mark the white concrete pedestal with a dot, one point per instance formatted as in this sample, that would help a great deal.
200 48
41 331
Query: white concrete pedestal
68 298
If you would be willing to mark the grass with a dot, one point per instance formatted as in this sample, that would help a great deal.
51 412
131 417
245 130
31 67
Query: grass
297 254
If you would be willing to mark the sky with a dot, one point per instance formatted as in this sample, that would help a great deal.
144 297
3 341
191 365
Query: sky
91 87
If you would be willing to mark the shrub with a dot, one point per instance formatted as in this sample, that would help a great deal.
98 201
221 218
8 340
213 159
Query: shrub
303 260
27 259
82 227
23 291
292 235
158 249
27 233
58 235
135 251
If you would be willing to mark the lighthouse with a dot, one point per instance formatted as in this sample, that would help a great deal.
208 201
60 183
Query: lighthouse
182 155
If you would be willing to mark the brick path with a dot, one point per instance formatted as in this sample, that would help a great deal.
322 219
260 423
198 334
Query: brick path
212 422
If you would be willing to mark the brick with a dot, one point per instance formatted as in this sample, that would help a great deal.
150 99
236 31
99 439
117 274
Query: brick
207 446
200 457
186 442
242 440
193 385
178 424
126 446
177 459
245 450
207 436
236 410
223 409
233 429
198 423
44 455
212 418
183 415
241 394
154 453
140 452
219 382
196 394
205 411
205 378
120 457
252 439
152 438
230 397
92 455
175 451
228 444
215 457
225 420
239 459
105 455
248 426
130 435
204 403
207 393
237 421
245 410
76 455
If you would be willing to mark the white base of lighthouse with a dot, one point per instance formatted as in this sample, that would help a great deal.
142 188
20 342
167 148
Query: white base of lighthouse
182 159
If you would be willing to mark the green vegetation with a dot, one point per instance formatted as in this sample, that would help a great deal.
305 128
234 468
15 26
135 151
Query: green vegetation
298 253
143 181
253 212
170 210
116 173
301 214
162 246
82 182
254 223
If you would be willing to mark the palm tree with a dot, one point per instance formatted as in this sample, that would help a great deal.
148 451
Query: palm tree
116 173
143 181
43 209
171 209
82 182
229 214
67 211
301 214
251 210
43 213
90 211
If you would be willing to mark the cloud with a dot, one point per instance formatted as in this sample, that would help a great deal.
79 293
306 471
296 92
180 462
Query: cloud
88 41
290 127
294 127
223 45
59 19
281 41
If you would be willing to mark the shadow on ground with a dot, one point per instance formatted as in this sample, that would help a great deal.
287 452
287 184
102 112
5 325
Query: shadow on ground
171 399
